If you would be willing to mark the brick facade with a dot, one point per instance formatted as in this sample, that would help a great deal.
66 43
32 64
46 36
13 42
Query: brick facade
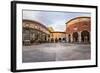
78 29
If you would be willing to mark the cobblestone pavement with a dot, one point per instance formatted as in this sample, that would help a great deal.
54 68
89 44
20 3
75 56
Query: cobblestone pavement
56 52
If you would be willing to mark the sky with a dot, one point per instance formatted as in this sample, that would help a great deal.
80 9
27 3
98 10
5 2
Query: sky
53 19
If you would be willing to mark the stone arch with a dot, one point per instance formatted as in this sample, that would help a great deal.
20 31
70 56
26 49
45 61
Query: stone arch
52 40
75 37
56 40
59 39
85 36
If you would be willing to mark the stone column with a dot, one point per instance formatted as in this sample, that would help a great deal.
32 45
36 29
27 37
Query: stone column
90 37
79 37
66 37
47 38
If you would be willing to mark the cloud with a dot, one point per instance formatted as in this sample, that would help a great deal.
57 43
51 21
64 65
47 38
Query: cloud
53 19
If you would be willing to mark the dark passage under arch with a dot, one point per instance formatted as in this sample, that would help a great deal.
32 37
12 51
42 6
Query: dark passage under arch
85 36
75 37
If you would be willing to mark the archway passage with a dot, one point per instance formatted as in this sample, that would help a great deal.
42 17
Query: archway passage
75 37
52 40
56 40
69 38
85 36
59 39
64 39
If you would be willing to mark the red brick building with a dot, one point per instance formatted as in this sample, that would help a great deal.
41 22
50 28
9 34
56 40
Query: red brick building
78 29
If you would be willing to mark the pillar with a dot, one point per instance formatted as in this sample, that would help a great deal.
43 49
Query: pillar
66 36
90 37
79 37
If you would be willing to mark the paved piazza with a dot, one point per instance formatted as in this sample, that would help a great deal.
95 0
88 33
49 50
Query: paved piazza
56 52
